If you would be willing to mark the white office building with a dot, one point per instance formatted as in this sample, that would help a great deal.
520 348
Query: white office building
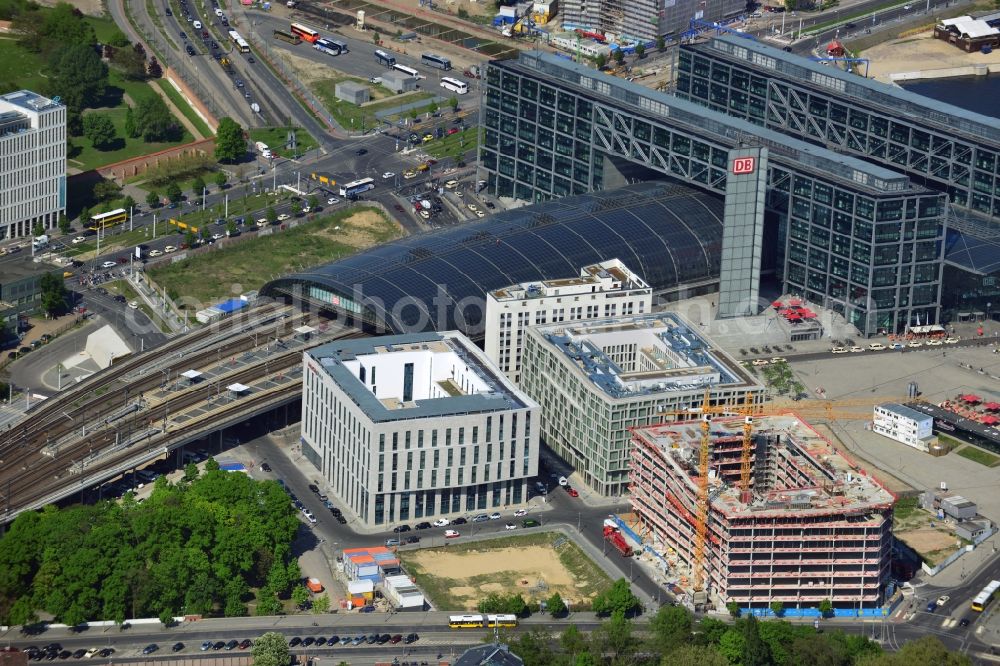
418 426
32 162
905 425
607 289
597 379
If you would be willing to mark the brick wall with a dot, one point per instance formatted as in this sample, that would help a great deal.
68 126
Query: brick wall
121 171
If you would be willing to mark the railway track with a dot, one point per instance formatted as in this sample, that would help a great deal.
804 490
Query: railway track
32 478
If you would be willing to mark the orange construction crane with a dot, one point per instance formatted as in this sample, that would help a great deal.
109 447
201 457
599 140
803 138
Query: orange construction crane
748 411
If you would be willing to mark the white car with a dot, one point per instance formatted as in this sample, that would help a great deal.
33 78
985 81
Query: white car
196 25
838 350
442 522
876 346
306 209
155 253
283 217
451 184
409 174
942 600
424 214
494 516
951 341
563 481
521 512
856 349
387 175
451 534
170 248
91 652
760 361
134 305
934 343
108 264
332 200
510 526
480 213
78 240
262 222
914 344
217 236
473 207
779 359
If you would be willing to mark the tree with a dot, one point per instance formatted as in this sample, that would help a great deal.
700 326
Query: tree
152 199
453 103
777 607
617 598
84 215
190 472
153 120
661 43
118 38
377 38
731 646
174 192
74 123
198 186
296 208
600 60
131 129
272 215
166 616
220 178
54 296
815 650
128 202
928 651
231 227
131 63
755 652
615 636
277 577
694 655
433 107
268 604
733 608
825 607
321 604
300 595
64 225
190 238
618 55
230 146
555 605
573 641
313 202
640 50
106 190
78 76
271 649
38 229
534 647
670 627
153 68
99 129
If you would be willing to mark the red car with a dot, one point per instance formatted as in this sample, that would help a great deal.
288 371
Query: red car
572 492
453 130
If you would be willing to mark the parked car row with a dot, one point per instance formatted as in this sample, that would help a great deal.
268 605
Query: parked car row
360 639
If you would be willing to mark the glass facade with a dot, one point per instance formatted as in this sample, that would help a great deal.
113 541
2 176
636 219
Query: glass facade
553 128
953 150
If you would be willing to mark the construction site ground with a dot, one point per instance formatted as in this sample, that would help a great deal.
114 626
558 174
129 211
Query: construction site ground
921 53
458 576
931 538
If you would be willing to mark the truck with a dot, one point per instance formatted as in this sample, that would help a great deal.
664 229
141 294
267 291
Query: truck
226 65
613 535
314 585
40 242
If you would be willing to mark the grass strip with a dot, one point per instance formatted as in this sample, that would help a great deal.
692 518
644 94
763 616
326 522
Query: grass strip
185 108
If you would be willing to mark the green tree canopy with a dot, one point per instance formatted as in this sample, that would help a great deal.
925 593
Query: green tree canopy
64 225
152 199
174 192
600 60
300 595
640 50
198 186
54 300
230 146
130 62
453 103
153 121
616 599
78 76
555 605
272 215
670 628
100 130
220 178
694 655
271 649
661 43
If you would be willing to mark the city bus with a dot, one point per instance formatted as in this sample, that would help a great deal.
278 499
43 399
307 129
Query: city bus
305 33
106 220
984 598
501 621
327 46
409 71
241 44
434 60
466 621
386 59
287 37
457 86
357 187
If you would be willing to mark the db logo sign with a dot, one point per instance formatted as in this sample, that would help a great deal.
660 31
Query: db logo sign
744 165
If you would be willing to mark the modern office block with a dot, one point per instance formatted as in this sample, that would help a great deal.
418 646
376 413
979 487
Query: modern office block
32 163
854 236
413 426
743 233
607 289
597 379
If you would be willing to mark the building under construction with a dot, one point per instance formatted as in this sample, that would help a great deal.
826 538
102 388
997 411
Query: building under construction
812 525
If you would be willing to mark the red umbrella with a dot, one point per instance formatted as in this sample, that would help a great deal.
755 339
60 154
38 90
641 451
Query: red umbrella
989 419
969 397
992 406
777 304
794 302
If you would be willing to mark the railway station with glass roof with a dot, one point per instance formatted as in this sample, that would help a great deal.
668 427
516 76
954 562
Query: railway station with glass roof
671 235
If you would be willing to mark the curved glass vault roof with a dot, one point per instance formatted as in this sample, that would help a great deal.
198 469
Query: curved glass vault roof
667 233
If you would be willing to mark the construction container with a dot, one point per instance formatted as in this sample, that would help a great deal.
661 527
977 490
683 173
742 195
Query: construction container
360 587
314 585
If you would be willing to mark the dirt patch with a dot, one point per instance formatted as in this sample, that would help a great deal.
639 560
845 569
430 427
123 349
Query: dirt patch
363 229
305 70
922 52
88 7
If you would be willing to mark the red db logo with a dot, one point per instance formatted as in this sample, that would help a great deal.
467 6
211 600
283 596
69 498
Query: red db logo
743 165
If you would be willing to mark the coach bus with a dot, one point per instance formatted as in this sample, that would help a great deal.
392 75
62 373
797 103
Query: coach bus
356 187
105 220
434 60
985 596
457 86
305 33
287 37
409 71
241 44
385 59
327 46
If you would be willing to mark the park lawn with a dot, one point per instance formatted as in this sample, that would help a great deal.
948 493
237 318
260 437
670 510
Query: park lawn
352 117
452 145
104 28
978 455
184 107
252 262
18 66
275 138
